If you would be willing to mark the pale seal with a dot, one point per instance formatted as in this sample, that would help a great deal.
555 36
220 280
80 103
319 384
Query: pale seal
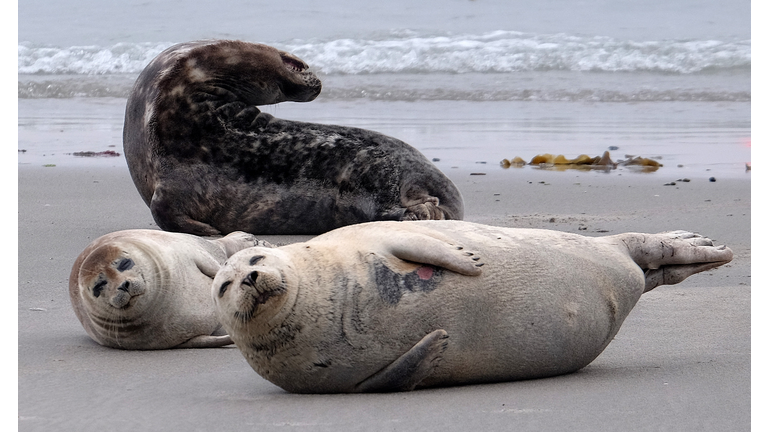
207 161
389 306
148 289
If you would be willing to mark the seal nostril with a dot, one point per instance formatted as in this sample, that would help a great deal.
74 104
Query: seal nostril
251 278
124 286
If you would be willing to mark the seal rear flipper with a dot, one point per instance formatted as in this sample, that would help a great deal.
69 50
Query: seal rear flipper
673 274
206 342
408 370
429 209
652 251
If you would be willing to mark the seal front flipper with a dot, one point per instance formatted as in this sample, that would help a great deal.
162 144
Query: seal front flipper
429 250
408 370
239 240
170 216
206 342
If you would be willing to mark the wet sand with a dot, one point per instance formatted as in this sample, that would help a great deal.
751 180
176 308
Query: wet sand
680 362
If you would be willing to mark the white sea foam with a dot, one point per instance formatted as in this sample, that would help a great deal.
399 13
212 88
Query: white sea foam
87 60
411 52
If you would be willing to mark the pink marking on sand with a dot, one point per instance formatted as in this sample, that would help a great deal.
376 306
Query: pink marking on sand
425 273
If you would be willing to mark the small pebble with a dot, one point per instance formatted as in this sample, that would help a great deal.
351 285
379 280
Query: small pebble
712 179
435 159
669 184
476 173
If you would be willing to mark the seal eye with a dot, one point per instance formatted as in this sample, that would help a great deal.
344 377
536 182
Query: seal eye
223 288
255 259
99 288
293 64
125 264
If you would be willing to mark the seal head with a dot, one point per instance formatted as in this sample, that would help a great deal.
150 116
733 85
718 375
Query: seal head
145 289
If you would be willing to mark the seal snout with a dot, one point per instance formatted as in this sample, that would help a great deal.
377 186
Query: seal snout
246 286
124 293
125 286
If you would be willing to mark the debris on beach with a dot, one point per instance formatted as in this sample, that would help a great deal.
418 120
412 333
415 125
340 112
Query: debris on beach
748 166
604 162
106 153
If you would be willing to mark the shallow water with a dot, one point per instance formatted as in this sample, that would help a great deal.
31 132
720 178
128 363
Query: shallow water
463 81
713 139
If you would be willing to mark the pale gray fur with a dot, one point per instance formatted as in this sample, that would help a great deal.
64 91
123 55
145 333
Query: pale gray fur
147 289
389 306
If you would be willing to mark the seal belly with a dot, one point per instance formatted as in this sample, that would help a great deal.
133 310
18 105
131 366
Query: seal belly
526 316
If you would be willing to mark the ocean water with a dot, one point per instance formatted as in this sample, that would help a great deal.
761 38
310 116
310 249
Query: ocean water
463 81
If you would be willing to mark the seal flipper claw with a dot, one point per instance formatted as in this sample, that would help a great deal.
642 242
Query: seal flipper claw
408 370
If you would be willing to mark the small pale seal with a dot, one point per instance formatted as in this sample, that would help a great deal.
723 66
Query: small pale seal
207 161
147 289
391 306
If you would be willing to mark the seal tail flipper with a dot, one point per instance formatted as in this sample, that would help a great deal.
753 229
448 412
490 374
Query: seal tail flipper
408 370
673 274
668 258
427 210
206 342
651 251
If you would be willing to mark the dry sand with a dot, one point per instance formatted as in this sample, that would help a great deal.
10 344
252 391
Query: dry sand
680 362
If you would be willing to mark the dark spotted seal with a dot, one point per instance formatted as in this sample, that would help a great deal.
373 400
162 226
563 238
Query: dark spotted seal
207 161
388 306
147 289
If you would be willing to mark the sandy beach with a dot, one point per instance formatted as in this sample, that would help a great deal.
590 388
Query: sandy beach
680 362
